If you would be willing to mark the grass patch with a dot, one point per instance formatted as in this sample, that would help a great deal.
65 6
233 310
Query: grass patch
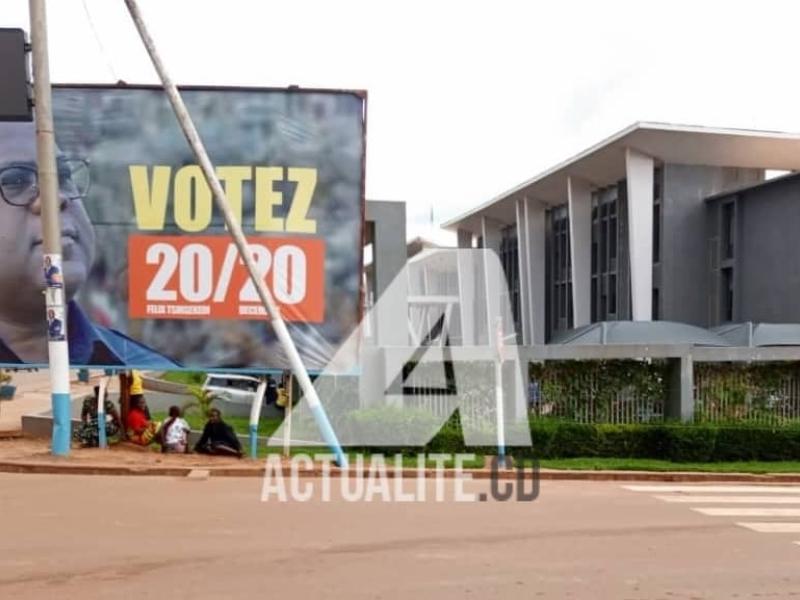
647 464
185 377
407 461
241 425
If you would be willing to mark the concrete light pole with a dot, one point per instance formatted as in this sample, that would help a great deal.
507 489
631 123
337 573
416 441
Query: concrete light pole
57 347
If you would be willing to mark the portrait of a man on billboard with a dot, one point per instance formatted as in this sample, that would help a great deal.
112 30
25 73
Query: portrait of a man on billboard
23 337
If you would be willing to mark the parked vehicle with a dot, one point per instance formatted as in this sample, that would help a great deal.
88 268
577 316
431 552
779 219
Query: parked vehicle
231 387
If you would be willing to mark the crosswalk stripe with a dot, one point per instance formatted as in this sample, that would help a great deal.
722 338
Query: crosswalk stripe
772 527
688 499
716 489
749 512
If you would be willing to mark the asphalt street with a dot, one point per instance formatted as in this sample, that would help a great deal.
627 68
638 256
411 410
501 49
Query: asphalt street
148 537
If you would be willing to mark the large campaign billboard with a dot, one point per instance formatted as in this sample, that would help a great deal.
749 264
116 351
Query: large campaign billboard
150 275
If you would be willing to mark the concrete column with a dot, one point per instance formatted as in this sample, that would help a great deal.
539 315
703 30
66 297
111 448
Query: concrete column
492 274
464 238
639 173
524 335
467 295
579 197
680 403
389 260
466 286
531 234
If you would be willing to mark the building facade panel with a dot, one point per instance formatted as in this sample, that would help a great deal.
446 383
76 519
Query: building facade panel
684 257
756 270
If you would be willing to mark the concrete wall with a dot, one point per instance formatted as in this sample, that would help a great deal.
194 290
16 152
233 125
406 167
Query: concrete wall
684 240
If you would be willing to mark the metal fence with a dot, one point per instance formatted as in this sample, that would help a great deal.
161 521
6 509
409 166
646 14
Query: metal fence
475 398
592 396
767 393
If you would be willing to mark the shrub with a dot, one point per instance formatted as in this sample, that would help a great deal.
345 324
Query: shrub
670 441
552 438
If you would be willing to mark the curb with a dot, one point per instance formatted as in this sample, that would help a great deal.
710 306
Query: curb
478 474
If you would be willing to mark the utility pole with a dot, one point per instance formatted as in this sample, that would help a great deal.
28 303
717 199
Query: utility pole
57 347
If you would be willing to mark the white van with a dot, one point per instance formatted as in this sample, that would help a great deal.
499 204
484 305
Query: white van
234 388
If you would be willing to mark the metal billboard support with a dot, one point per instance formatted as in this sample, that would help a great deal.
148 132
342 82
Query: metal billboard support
255 417
57 348
190 132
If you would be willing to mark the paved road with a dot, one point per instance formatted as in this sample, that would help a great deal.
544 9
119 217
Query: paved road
103 537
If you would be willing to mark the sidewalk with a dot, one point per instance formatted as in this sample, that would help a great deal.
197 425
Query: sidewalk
33 396
32 455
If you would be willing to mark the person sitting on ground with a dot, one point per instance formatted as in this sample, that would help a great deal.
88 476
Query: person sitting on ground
88 433
174 433
140 429
218 437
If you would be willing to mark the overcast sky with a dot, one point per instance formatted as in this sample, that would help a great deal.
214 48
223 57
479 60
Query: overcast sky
466 99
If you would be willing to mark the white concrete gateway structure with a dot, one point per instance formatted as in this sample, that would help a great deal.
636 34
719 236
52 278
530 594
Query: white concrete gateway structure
619 232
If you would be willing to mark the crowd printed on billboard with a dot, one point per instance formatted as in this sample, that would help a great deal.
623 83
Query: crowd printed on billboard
150 276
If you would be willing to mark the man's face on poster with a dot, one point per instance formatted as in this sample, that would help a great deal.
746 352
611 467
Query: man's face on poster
21 253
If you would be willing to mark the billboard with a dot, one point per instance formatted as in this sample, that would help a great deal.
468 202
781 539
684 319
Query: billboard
151 277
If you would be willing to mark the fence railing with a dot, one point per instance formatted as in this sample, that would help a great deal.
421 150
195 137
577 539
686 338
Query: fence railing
601 391
592 404
768 393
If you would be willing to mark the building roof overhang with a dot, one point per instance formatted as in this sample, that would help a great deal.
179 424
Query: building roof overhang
604 163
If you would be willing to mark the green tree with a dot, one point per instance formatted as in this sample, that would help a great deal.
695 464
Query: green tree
201 400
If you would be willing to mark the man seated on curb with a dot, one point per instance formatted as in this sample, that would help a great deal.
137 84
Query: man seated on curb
218 437
87 432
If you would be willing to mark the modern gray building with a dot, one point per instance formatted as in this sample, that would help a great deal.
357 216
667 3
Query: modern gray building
657 222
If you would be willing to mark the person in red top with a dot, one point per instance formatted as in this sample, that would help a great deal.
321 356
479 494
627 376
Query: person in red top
140 429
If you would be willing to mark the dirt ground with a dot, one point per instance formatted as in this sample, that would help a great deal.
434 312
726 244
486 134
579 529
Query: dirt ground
37 450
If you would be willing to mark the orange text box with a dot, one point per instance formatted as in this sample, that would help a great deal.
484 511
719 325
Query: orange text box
202 277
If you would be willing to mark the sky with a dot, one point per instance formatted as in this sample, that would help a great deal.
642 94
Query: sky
465 99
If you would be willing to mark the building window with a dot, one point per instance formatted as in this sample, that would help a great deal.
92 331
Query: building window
605 250
658 187
559 287
656 233
727 295
728 232
509 258
656 304
612 295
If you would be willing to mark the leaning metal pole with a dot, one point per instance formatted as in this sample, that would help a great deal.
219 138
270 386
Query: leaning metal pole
235 229
57 347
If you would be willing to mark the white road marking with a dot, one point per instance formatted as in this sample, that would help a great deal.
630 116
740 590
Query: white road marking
725 494
716 489
687 499
771 527
749 512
